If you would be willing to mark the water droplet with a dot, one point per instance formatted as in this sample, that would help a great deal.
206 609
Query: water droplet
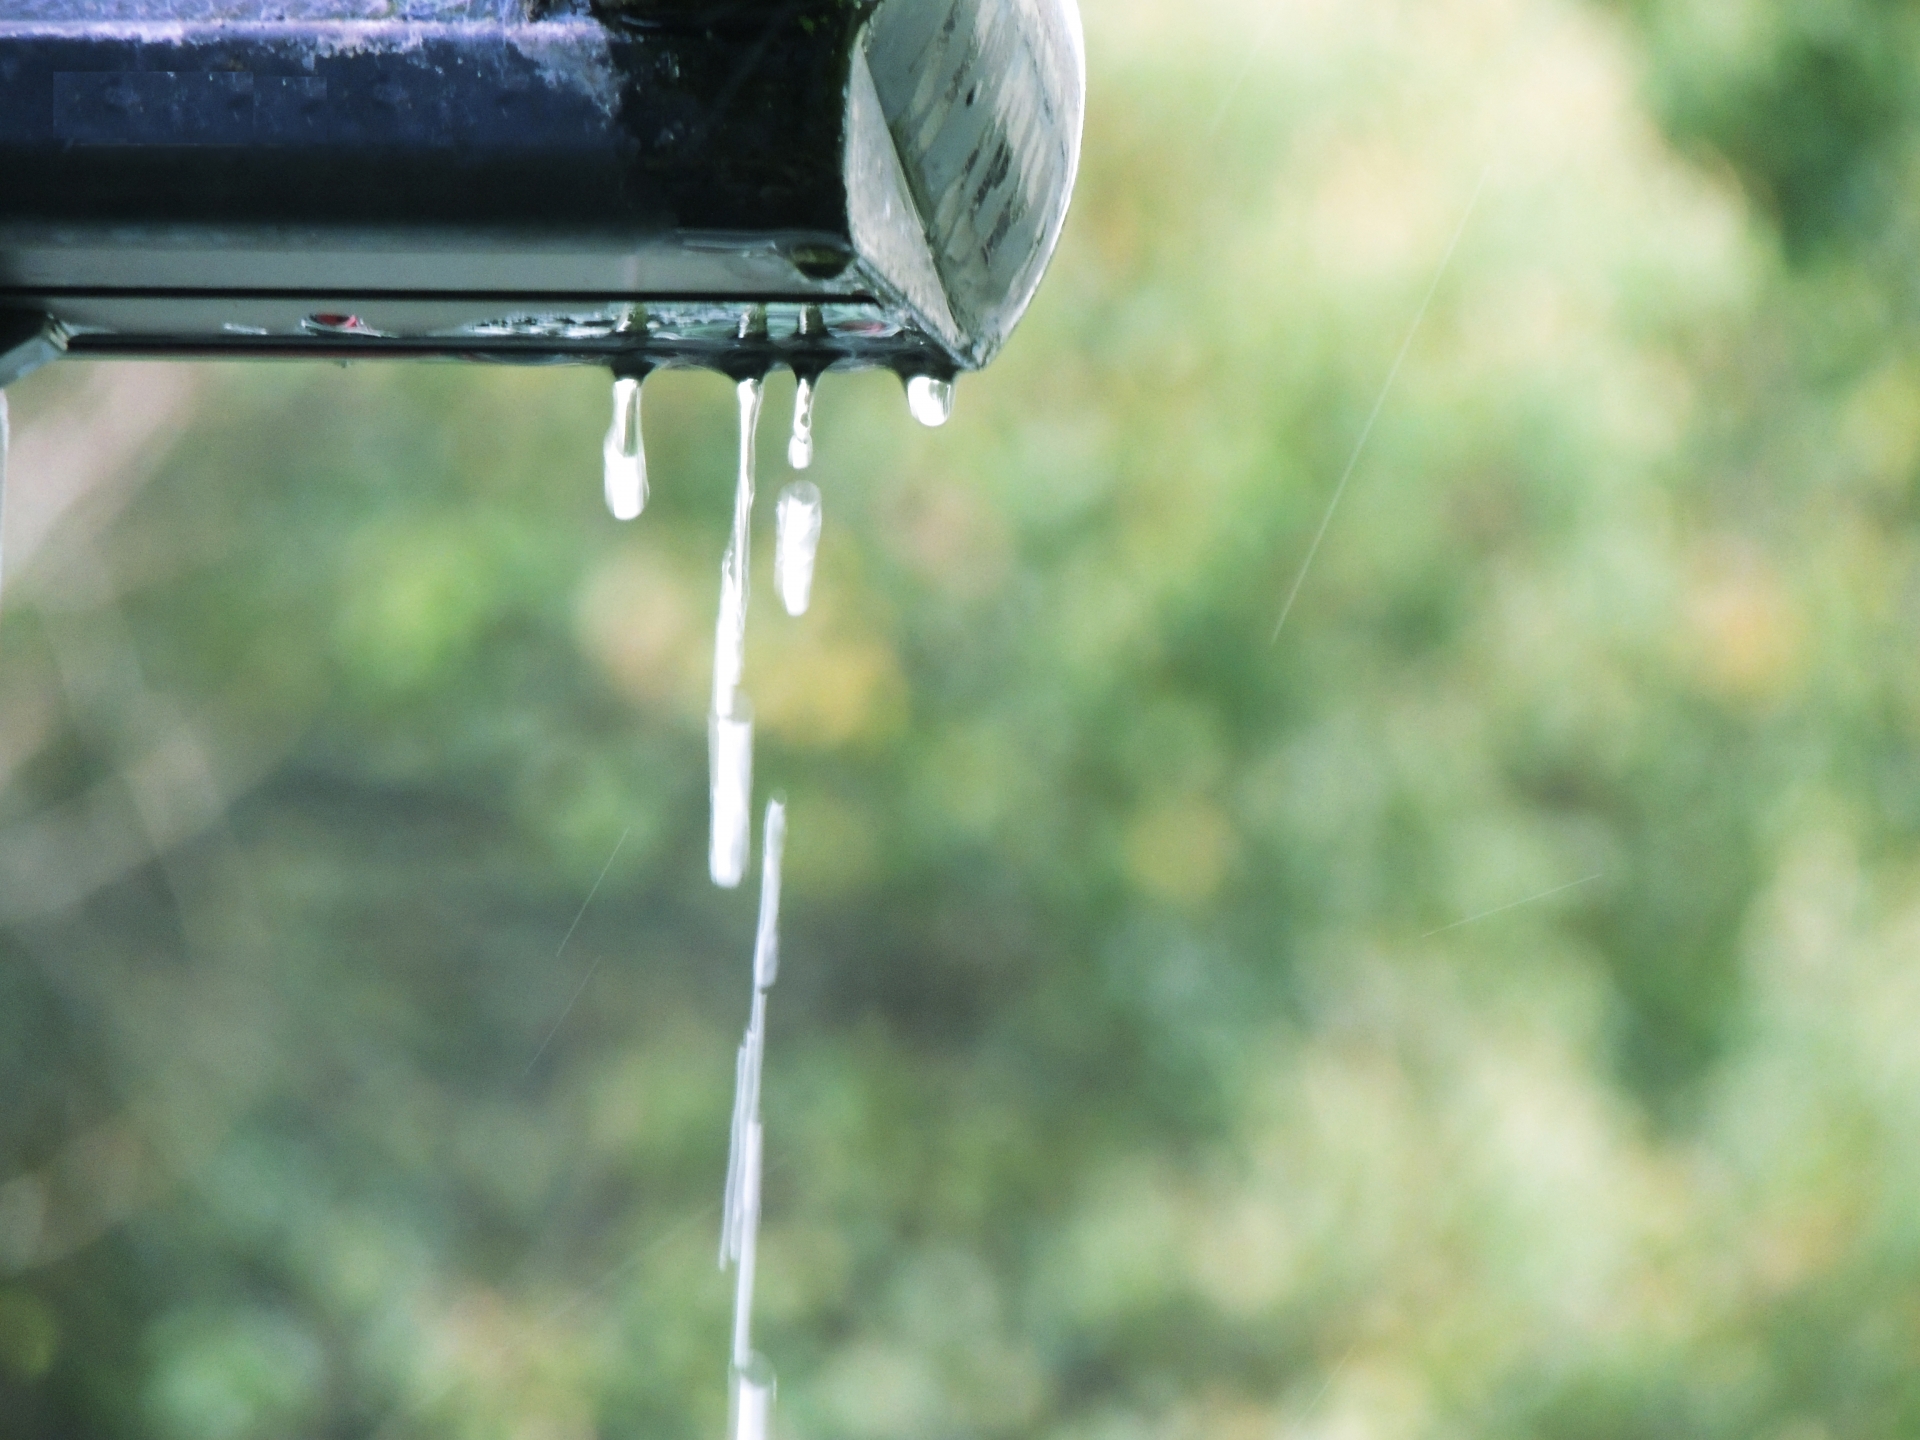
730 762
800 447
625 453
796 519
930 400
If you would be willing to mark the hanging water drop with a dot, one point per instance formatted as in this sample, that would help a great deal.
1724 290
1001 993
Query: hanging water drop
624 454
800 445
930 399
730 734
796 519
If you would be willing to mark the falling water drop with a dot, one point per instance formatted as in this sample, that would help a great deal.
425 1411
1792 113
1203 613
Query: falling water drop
800 446
730 734
930 399
796 519
766 938
730 768
624 453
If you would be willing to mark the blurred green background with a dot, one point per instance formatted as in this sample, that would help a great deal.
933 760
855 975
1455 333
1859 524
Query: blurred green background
1491 1008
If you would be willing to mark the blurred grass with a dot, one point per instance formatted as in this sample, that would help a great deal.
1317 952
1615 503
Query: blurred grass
1133 1072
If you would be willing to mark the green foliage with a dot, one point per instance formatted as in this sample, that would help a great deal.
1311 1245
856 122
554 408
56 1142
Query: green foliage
1483 1007
1813 104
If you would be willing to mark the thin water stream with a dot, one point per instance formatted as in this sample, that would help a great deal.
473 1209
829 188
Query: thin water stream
798 522
797 528
730 736
751 1376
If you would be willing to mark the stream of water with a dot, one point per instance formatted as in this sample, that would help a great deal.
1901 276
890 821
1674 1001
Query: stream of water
752 1380
730 745
797 528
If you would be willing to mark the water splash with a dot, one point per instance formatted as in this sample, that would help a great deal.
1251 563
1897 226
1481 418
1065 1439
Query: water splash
930 399
751 1379
730 734
800 444
624 453
796 520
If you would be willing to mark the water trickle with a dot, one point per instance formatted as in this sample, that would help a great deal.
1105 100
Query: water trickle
796 519
930 399
625 454
751 1377
730 735
742 1204
730 773
800 445
730 639
766 936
